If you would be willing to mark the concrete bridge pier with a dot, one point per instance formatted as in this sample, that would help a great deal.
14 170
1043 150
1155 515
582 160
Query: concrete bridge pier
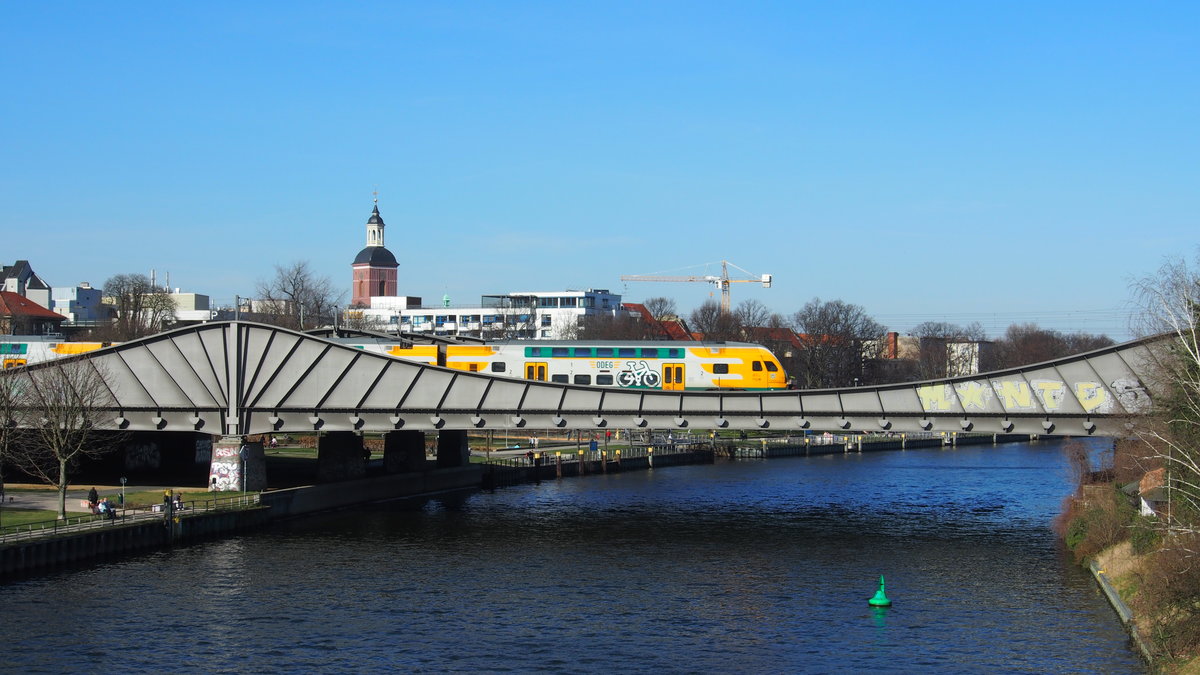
340 456
237 465
452 449
403 451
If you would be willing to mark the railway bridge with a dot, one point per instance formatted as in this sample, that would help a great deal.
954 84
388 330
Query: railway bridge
229 380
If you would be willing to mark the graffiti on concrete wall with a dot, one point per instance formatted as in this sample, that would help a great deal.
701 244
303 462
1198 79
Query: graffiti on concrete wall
225 471
203 450
1034 396
142 456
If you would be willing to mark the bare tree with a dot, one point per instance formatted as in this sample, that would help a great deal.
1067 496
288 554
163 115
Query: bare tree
140 308
62 405
836 338
1026 343
297 298
10 433
1171 305
709 320
944 349
754 314
661 307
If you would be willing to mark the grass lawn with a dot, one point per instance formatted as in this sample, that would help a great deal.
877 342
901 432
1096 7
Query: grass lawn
10 517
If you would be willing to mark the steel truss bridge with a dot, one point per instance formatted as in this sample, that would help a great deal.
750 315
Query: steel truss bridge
239 378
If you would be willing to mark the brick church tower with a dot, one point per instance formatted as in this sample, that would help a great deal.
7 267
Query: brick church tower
374 266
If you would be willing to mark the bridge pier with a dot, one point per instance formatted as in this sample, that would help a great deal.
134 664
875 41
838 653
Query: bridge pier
403 451
340 456
230 469
452 449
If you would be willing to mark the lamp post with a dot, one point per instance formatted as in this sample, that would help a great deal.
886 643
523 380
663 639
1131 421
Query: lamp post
242 457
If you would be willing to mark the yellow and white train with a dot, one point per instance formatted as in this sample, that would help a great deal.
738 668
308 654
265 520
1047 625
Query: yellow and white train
19 351
662 365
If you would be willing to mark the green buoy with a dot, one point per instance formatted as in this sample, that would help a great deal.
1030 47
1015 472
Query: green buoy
881 598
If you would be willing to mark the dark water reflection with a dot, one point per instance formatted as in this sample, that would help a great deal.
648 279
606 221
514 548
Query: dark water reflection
742 567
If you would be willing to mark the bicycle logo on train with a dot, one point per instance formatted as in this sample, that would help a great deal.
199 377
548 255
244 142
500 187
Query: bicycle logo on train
638 374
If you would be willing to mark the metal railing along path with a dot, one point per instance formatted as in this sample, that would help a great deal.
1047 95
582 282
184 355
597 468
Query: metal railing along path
123 516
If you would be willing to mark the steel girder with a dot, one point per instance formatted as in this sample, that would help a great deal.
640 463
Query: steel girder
237 378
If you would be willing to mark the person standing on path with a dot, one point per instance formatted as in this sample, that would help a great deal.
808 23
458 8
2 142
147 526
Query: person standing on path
93 499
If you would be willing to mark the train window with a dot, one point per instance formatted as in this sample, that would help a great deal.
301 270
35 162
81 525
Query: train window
626 351
771 367
604 351
533 351
650 353
674 353
583 379
604 379
756 366
498 367
561 379
583 351
720 368
560 351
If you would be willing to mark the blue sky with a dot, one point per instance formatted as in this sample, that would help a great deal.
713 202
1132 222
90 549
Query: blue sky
947 161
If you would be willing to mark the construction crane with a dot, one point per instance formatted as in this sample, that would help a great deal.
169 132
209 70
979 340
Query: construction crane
722 281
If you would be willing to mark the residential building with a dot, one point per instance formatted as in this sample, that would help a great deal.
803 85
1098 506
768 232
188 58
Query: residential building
21 316
20 278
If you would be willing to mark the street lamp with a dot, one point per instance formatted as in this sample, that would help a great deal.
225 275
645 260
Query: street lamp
242 456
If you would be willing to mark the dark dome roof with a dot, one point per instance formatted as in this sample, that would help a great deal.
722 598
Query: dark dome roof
376 256
375 218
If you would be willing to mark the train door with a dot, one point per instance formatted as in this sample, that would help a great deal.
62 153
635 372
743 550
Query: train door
672 376
535 370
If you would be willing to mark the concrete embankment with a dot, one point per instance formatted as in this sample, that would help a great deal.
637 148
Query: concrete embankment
1122 610
801 447
552 466
110 541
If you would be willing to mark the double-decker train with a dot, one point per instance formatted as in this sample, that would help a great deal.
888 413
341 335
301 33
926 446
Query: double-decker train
664 365
624 364
20 350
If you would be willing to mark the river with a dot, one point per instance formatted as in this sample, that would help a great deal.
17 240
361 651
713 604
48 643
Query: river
743 566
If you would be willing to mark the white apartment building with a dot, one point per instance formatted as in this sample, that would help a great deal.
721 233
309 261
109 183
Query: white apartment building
542 315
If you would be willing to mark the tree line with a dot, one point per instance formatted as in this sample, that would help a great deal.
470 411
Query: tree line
834 343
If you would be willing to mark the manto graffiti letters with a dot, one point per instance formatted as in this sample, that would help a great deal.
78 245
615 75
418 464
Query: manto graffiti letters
1040 395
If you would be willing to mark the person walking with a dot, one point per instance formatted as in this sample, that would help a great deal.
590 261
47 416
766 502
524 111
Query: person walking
93 499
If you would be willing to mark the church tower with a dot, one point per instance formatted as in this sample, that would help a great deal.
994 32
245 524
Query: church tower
374 266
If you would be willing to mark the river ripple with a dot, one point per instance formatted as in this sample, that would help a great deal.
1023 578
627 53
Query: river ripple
746 566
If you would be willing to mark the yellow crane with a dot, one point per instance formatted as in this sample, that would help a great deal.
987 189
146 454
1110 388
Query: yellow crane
722 281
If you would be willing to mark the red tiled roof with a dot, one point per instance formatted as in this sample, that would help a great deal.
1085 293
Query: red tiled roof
12 304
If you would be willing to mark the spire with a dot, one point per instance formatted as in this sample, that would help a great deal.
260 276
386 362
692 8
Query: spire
375 225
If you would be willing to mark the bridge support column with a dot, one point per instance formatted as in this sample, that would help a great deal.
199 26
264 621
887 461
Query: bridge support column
452 449
403 451
236 464
340 456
